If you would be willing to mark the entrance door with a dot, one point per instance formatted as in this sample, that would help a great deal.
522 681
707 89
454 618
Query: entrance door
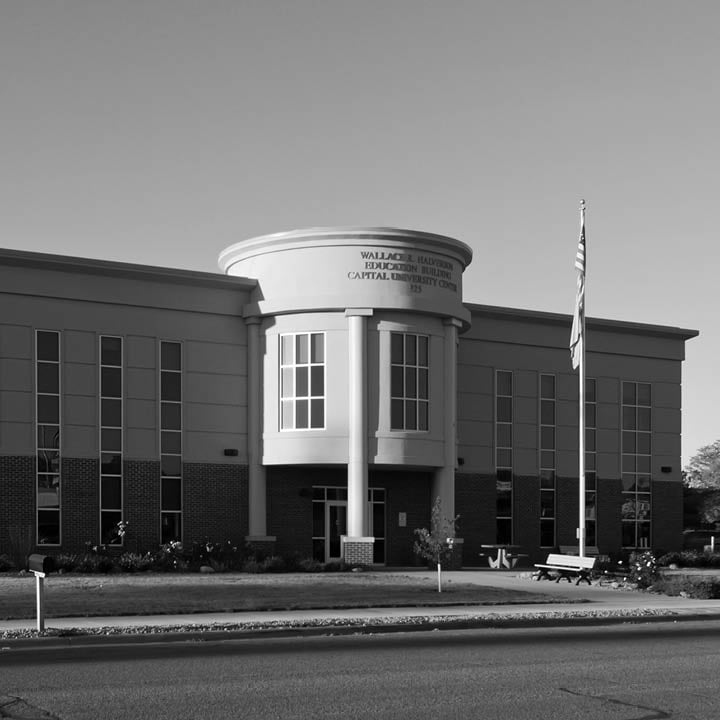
335 527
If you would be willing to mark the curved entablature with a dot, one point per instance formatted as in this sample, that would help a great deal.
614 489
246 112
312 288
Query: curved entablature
321 269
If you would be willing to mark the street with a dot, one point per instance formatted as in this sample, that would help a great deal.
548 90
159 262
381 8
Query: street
628 672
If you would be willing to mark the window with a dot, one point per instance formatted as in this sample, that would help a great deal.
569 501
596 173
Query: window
503 455
302 381
170 442
47 397
547 460
111 439
636 465
590 460
409 382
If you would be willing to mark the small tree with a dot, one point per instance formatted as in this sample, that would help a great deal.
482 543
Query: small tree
436 544
702 479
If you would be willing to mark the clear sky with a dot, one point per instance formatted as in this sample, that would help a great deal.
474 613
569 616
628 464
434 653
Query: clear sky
161 131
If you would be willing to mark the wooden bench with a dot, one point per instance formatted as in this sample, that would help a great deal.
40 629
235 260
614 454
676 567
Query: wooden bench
566 567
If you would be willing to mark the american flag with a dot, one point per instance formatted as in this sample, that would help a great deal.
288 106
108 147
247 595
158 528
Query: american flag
576 334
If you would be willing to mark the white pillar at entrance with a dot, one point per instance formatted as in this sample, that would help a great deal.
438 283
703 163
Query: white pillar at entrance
257 505
444 477
357 423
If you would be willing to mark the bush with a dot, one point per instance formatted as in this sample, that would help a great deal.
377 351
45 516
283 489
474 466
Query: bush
701 588
66 562
131 562
93 563
6 563
252 566
274 564
671 558
336 566
311 565
691 559
221 557
169 558
642 569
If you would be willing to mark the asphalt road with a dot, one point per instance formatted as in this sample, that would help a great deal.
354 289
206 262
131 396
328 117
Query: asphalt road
625 672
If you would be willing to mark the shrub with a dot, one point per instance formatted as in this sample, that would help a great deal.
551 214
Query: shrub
335 566
66 562
6 563
274 564
219 556
252 566
701 588
131 562
170 557
642 568
94 563
311 565
691 559
671 558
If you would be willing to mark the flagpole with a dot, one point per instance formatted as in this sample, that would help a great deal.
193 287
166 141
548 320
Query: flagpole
581 403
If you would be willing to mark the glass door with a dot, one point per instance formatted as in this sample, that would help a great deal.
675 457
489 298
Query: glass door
335 528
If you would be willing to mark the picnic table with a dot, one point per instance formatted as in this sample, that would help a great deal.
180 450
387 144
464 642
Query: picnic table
503 555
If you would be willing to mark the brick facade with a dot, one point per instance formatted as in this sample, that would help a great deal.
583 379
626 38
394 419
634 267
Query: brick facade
475 504
215 503
408 493
609 502
141 487
526 517
17 508
567 510
667 500
290 506
215 508
80 504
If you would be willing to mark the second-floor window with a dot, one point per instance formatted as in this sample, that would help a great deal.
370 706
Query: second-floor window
302 381
409 382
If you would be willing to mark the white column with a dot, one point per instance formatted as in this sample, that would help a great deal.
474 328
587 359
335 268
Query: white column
444 477
357 472
257 492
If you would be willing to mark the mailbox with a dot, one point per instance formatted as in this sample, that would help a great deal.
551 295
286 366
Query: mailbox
41 563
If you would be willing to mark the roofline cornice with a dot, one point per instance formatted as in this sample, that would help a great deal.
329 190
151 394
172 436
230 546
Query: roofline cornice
110 268
351 235
622 326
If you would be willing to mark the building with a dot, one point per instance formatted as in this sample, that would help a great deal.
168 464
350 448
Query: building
316 398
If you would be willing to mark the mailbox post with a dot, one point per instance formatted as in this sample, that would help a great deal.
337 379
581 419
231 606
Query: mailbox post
40 566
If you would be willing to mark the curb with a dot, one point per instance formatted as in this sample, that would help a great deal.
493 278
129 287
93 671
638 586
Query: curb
162 635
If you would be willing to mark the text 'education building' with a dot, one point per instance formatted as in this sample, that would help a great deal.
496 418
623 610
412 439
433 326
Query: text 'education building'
317 399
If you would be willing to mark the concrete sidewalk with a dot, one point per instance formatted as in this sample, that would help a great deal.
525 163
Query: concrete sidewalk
571 602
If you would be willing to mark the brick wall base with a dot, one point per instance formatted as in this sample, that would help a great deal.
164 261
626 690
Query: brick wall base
357 551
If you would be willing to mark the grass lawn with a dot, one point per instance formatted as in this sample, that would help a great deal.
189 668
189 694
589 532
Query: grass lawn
168 593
